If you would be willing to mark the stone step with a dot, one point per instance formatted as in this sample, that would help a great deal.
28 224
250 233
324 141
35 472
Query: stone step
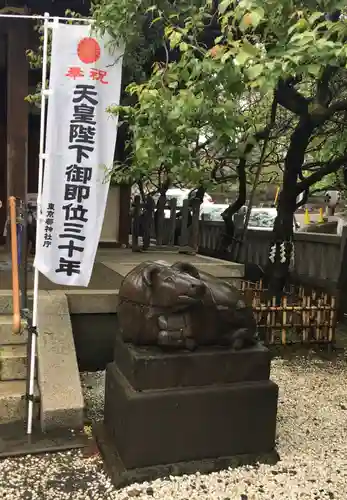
13 362
81 301
6 335
5 301
13 403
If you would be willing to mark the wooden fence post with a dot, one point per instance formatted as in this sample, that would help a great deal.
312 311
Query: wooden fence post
342 281
147 222
136 224
184 234
160 216
194 234
172 222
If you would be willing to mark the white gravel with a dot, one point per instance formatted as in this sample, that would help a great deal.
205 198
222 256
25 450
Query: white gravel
312 444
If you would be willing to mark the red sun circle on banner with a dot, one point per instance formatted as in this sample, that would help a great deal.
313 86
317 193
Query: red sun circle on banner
88 50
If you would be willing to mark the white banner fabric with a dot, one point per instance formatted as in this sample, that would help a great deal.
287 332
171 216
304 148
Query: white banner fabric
85 78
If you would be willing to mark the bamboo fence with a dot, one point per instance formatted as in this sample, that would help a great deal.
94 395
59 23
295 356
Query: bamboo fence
300 317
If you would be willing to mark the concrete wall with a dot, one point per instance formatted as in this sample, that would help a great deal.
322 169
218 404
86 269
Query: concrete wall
94 337
110 228
318 257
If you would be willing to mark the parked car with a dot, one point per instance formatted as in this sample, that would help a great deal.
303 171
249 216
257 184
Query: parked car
213 212
181 195
260 218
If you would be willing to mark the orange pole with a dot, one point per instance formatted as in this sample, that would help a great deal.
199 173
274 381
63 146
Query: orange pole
16 323
276 196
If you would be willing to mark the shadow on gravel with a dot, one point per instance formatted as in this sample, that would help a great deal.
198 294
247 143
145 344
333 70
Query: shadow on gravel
295 351
323 352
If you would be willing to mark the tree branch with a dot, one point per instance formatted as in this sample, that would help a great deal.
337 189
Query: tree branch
289 98
313 165
304 199
306 193
329 168
335 108
241 199
324 94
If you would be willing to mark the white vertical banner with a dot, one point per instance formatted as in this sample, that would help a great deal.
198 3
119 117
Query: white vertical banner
85 78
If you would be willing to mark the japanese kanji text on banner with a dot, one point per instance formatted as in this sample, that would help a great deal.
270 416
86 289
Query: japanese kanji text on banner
85 78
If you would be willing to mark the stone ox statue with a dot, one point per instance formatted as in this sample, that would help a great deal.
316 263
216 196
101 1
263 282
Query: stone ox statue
178 306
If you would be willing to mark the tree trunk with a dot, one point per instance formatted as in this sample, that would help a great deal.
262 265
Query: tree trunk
281 251
227 239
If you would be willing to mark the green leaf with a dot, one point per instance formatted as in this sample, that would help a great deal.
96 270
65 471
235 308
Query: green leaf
315 16
305 38
242 57
302 24
156 20
314 69
223 6
206 92
175 39
257 15
252 19
255 71
292 28
225 57
218 39
249 48
245 23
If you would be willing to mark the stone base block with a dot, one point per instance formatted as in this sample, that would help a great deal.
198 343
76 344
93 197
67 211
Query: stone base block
122 476
151 368
184 424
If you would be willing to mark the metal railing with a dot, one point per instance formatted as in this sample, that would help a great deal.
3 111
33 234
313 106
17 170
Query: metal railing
17 223
22 317
17 321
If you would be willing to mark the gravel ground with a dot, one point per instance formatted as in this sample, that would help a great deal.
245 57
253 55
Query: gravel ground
312 444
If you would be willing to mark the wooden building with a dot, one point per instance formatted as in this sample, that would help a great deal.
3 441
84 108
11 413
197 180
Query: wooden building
20 122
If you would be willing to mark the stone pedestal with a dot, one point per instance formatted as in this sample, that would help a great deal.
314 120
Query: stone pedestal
182 412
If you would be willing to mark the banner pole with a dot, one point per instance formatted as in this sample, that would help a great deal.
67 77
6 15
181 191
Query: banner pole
35 17
33 327
80 142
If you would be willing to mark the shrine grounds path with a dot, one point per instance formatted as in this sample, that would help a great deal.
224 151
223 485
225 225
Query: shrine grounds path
112 264
311 442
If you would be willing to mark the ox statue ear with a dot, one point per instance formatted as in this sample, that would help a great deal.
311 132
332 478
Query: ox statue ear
149 273
187 268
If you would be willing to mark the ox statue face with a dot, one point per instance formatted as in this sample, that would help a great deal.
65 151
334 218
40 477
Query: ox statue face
181 307
172 287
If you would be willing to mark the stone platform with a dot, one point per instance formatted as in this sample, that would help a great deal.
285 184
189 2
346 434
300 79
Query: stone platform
15 442
151 368
111 265
185 411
